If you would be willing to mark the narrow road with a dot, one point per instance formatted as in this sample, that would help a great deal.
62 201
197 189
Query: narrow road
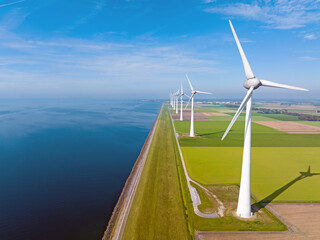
193 191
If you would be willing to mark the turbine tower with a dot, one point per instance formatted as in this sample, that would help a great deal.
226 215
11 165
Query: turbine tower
181 101
193 92
252 83
177 101
174 95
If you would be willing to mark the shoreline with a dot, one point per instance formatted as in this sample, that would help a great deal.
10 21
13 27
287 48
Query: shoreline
120 212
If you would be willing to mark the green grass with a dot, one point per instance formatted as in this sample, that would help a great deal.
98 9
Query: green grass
210 133
282 117
208 203
274 170
255 117
158 210
312 123
228 194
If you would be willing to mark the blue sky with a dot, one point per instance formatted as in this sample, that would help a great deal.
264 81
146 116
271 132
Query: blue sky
133 48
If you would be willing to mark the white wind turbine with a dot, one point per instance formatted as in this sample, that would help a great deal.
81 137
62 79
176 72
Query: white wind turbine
252 83
181 102
174 95
177 101
193 92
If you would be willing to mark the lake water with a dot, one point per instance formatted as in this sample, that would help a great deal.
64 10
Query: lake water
63 164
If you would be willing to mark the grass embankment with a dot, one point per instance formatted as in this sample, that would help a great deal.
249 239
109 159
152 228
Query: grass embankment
158 210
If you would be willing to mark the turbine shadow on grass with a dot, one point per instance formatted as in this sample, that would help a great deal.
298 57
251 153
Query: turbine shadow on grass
213 133
264 202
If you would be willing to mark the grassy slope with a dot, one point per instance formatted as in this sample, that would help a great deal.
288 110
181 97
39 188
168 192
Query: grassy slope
211 132
157 211
272 169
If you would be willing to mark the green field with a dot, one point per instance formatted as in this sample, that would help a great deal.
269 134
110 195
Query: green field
277 157
282 117
255 117
210 134
274 169
312 123
158 209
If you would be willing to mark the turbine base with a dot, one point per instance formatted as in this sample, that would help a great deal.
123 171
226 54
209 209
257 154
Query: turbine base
245 215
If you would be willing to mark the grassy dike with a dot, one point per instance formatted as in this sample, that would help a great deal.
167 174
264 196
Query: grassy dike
159 208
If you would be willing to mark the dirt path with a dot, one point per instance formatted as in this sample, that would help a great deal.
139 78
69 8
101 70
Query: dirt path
305 219
120 213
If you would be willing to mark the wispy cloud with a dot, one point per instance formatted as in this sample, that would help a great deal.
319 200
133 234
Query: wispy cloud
96 8
308 58
279 14
310 36
209 1
76 66
12 3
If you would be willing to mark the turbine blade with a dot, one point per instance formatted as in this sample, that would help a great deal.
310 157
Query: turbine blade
189 83
278 85
247 68
189 100
241 107
203 92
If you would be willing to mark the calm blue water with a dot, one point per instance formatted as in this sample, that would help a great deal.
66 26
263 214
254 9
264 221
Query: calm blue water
63 164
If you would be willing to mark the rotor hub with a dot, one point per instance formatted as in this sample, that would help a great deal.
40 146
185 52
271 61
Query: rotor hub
252 82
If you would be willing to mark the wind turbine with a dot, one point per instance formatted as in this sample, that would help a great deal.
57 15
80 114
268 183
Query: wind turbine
177 101
193 92
252 83
181 101
174 100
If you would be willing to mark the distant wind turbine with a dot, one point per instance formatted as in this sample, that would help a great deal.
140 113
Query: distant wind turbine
193 92
252 83
181 102
177 101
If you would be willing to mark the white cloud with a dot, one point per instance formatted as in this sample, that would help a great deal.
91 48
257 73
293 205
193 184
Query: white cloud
209 1
12 3
75 66
279 14
308 58
310 36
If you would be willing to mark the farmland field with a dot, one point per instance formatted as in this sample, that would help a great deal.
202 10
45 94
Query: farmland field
277 157
272 169
210 133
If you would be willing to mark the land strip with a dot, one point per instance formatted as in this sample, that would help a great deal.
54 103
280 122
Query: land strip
159 210
120 213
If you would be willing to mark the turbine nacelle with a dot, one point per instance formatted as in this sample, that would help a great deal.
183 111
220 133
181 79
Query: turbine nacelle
252 82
